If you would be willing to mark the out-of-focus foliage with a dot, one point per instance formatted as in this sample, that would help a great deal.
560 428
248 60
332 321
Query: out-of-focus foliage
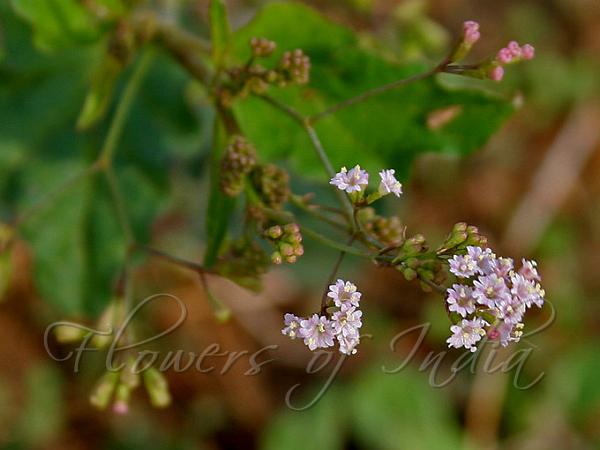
387 130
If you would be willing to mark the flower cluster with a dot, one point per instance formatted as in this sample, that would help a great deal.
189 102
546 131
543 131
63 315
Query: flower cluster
510 54
342 325
294 67
271 183
490 297
237 162
262 47
356 180
492 68
287 240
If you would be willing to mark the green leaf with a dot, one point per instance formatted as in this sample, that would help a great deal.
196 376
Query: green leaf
219 31
387 130
100 93
220 206
392 411
323 421
57 23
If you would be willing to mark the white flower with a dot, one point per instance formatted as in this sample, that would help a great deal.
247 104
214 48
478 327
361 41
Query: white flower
344 293
466 334
317 332
348 344
389 184
350 181
346 321
292 325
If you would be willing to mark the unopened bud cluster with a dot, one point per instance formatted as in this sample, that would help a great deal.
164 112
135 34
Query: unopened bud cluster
271 182
238 161
462 236
116 387
262 47
387 230
492 68
287 240
244 262
293 68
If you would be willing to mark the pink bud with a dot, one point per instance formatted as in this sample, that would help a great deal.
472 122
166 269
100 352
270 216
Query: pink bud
497 73
493 334
528 51
120 407
471 32
504 56
514 48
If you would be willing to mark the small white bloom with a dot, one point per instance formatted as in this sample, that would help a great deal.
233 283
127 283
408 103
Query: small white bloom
344 293
352 180
389 184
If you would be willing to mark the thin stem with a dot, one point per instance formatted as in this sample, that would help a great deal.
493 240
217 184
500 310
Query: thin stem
220 310
376 91
313 211
48 199
332 276
175 259
333 244
314 138
119 204
285 108
118 121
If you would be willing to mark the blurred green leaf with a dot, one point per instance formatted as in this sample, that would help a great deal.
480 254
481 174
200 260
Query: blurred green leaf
43 414
57 23
392 411
219 31
100 92
319 425
387 130
220 206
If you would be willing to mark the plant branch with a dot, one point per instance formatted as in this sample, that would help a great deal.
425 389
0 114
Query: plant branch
378 90
118 121
332 275
175 259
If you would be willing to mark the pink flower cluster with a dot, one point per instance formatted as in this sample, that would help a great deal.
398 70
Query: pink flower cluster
342 326
490 295
510 54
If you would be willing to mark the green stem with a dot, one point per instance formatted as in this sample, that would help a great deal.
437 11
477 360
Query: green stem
333 244
378 90
119 204
316 142
116 127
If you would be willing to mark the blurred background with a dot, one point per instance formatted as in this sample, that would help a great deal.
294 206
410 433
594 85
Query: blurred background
532 188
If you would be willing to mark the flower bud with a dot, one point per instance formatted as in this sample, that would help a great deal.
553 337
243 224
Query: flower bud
276 258
103 391
275 232
238 160
294 67
122 396
272 185
157 388
262 47
108 323
68 333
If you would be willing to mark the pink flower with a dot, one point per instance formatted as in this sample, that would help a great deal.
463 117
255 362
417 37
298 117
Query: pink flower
528 51
497 73
504 56
471 32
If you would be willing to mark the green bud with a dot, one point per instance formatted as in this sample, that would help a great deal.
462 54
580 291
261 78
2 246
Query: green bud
109 321
274 232
129 376
68 334
409 274
103 391
276 258
157 388
122 397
